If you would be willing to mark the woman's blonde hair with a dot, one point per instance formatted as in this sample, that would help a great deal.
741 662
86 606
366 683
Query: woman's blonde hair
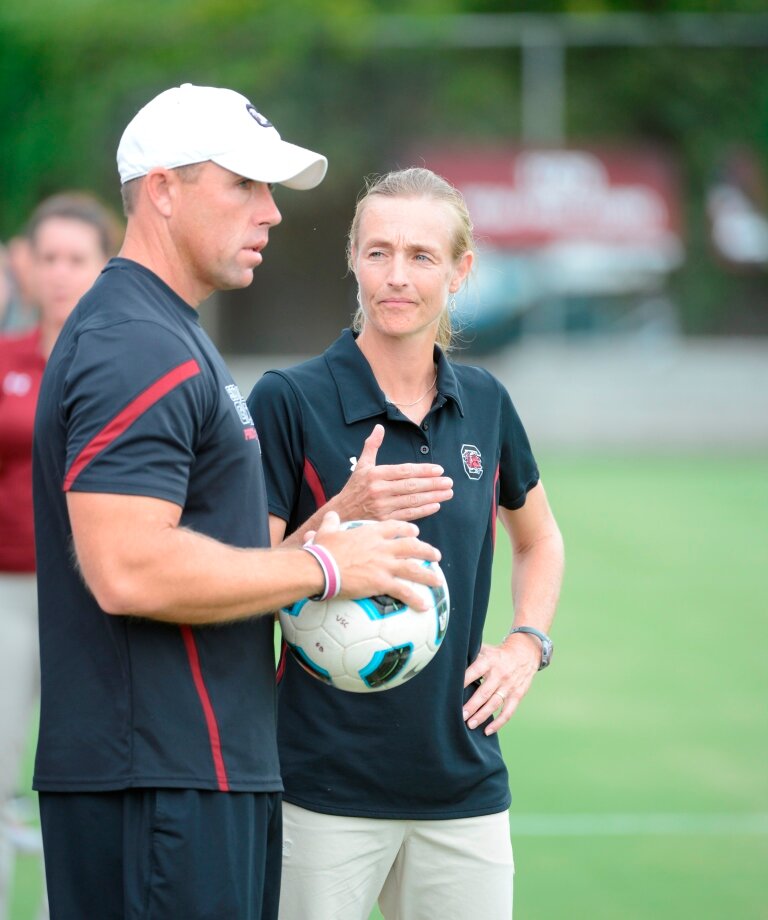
416 182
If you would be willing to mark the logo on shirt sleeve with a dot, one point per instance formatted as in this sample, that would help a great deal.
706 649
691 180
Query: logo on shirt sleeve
472 460
241 407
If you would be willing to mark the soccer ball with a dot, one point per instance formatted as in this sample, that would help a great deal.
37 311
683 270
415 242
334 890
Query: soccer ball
370 644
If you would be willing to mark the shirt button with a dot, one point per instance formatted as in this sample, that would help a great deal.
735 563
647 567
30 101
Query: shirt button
425 426
424 449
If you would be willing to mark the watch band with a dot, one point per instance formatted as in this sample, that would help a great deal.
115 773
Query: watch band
546 643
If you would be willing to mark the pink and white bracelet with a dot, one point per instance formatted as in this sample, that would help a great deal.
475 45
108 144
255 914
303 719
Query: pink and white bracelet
331 572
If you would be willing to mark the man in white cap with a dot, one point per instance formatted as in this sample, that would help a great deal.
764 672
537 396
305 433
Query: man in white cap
156 764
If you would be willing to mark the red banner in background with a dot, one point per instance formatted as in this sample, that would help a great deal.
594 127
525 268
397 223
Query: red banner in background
531 198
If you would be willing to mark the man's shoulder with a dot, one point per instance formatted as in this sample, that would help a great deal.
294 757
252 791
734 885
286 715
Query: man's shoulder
118 342
134 302
126 285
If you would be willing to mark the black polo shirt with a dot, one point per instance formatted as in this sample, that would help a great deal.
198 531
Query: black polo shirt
404 753
136 400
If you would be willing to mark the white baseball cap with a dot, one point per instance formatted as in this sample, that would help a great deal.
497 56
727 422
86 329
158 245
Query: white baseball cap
191 124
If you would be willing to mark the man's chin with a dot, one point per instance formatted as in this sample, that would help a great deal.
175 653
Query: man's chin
243 279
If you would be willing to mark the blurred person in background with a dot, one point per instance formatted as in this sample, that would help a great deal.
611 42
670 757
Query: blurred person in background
70 237
17 311
403 796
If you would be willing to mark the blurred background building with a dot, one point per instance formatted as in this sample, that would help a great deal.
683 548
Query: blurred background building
614 163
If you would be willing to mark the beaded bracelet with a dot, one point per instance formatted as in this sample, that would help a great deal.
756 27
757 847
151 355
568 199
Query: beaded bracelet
331 572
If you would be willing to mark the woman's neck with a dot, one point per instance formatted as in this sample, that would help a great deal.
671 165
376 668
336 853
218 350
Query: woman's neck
404 369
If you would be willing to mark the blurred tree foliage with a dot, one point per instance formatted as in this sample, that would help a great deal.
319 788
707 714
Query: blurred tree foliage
72 73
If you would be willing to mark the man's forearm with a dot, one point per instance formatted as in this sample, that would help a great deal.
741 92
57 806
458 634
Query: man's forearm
196 580
137 560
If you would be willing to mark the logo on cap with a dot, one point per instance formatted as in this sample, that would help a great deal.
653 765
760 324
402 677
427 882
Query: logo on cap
472 460
257 116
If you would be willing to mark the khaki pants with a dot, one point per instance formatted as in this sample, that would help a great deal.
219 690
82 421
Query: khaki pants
335 868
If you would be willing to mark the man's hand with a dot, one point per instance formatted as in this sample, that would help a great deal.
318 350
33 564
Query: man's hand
379 558
403 492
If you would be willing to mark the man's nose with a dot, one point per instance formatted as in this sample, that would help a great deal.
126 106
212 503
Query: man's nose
266 210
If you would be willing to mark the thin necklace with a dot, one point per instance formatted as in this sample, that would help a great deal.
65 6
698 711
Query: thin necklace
408 405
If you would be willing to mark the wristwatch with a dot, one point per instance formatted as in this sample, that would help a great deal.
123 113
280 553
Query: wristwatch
546 643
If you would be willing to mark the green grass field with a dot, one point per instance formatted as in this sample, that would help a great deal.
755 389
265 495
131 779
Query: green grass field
656 703
639 762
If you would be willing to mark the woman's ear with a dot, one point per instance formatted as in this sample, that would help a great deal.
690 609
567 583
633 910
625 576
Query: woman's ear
462 270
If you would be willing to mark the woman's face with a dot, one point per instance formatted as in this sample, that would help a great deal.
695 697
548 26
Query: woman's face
66 259
404 265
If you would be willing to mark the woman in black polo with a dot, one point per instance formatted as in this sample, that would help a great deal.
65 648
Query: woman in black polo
402 796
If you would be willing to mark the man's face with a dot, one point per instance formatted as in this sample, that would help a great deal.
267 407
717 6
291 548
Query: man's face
220 224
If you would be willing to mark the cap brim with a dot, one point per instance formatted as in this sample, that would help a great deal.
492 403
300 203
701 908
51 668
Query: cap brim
281 163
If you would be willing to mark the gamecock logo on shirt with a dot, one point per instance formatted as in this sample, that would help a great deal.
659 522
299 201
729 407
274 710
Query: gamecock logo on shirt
472 460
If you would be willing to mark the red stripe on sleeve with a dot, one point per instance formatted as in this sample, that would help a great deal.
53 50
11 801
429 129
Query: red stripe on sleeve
205 700
313 481
123 420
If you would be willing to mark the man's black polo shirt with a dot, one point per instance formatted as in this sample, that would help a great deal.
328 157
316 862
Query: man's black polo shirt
136 400
404 753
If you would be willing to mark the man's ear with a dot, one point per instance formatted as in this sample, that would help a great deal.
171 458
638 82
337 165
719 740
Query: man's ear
160 185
